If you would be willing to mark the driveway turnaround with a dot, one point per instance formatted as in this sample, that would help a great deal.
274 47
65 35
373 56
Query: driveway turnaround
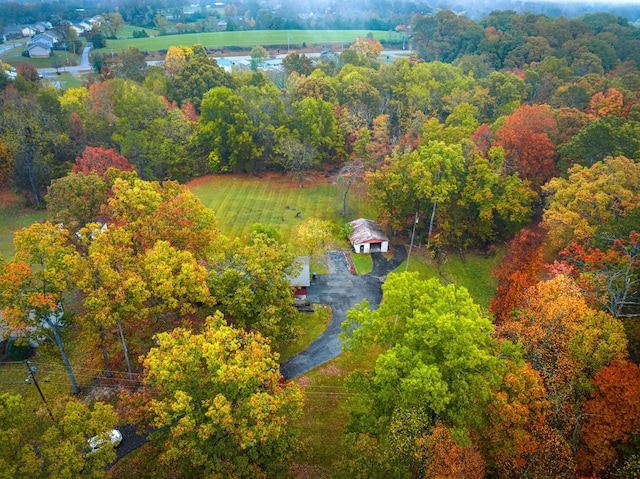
341 290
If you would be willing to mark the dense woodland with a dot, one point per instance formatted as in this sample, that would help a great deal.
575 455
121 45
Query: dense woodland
519 129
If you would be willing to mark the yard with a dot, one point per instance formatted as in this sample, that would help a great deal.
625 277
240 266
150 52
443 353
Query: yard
240 201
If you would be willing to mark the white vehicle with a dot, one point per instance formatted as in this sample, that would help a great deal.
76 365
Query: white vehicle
114 437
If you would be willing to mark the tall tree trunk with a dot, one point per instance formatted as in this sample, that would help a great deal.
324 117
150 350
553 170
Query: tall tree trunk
65 358
126 351
105 356
433 215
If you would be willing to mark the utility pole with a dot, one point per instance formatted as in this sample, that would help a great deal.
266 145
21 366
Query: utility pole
32 370
415 222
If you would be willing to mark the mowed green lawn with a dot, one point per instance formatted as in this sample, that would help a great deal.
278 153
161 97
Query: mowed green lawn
249 39
241 201
13 216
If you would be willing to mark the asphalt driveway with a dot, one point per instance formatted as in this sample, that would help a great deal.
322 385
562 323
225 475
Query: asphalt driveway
341 290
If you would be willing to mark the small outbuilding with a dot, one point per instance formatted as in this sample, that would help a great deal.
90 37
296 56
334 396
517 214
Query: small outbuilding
367 237
301 282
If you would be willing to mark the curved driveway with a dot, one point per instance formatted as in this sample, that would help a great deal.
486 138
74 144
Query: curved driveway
341 291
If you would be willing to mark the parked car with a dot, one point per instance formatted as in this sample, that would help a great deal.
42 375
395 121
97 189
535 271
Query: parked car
113 437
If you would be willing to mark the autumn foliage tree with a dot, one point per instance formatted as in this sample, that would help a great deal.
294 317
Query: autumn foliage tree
607 103
34 283
591 202
519 270
443 458
100 160
526 137
56 449
568 343
217 403
611 416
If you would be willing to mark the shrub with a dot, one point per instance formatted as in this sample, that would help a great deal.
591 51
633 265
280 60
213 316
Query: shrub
18 349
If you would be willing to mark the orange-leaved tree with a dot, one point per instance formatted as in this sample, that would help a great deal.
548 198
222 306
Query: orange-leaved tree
613 416
520 269
568 343
443 458
526 137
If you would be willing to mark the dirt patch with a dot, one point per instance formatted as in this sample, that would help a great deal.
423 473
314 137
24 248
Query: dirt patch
309 471
304 381
332 370
350 265
9 198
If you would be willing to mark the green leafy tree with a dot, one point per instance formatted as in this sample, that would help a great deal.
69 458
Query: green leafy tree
217 403
258 54
111 23
131 64
195 78
226 132
436 169
30 136
438 351
251 285
294 62
295 156
314 120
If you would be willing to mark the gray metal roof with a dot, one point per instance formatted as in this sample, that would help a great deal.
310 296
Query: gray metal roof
366 231
303 279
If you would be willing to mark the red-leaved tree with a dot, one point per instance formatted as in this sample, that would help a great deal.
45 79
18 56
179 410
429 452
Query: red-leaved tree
526 139
520 269
612 416
100 160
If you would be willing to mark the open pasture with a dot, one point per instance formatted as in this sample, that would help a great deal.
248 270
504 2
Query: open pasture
239 201
249 39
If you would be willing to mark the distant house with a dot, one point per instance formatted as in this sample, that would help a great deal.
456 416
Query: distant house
39 27
301 282
45 38
27 30
13 32
222 25
78 28
39 50
367 237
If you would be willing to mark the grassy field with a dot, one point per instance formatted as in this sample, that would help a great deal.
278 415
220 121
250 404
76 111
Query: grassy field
249 39
309 327
13 216
473 272
241 201
128 30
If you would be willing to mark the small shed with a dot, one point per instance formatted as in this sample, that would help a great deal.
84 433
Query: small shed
367 237
301 282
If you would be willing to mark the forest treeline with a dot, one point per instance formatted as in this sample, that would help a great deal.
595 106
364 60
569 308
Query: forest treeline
519 129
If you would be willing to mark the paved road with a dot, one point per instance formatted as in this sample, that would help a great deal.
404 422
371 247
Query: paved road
84 66
341 291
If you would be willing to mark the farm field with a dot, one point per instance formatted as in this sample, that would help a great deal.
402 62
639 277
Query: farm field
248 39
